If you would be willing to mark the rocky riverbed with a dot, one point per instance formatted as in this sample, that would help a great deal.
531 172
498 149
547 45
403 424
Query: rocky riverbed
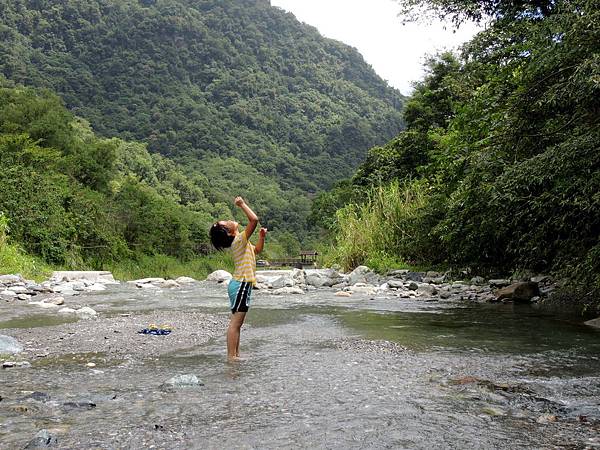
332 361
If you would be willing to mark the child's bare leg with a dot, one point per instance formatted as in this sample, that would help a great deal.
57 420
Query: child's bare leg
233 334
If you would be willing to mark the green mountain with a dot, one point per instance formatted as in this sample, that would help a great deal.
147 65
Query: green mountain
198 79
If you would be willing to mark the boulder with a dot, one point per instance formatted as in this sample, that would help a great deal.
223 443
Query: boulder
11 279
413 286
343 294
362 274
8 293
281 282
478 281
323 277
520 292
219 276
9 345
395 284
299 276
66 311
42 439
55 300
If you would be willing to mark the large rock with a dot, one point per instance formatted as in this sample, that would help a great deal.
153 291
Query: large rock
362 274
11 279
9 345
219 276
93 276
43 439
287 290
281 282
519 292
86 313
323 277
185 280
299 276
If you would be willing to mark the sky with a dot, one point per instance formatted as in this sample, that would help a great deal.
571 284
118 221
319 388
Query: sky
395 51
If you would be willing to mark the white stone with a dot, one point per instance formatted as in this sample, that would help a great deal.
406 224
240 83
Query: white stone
23 296
8 293
361 274
66 311
170 284
219 276
55 300
287 290
281 282
96 287
45 305
19 289
185 280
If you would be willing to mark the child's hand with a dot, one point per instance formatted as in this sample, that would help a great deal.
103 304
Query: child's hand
239 201
262 233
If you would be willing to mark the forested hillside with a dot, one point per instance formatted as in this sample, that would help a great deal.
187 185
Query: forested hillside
498 170
197 79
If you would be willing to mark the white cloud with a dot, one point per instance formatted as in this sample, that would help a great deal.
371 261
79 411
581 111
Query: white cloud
395 51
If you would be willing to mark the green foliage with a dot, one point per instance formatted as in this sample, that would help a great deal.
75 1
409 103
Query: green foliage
245 98
503 145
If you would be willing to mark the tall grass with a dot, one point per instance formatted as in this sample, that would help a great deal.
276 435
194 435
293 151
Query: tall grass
383 232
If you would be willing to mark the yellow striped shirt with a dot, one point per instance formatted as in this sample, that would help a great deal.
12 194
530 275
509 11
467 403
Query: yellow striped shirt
244 259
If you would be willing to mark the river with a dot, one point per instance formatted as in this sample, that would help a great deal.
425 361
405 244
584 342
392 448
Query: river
318 371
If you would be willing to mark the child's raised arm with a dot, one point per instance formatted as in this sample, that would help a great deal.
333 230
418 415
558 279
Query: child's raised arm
252 217
261 241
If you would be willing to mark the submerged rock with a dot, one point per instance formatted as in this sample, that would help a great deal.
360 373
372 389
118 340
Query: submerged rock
42 439
9 345
182 381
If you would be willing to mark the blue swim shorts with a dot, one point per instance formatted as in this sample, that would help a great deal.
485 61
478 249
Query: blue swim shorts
239 295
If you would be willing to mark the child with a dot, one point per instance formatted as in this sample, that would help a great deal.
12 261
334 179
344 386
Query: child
225 234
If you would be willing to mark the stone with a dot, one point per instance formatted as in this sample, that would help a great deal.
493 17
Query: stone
519 292
281 282
427 289
499 282
287 290
359 275
547 418
19 289
343 294
66 311
96 287
322 277
93 276
397 273
363 288
9 345
219 276
413 286
86 313
414 276
23 297
8 293
395 284
540 278
45 305
299 276
56 300
20 364
183 381
170 284
42 439
185 280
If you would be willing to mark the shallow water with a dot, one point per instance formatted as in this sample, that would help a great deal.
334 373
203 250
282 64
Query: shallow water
322 372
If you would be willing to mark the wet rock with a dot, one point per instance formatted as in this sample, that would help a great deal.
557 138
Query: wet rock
66 311
55 301
219 276
170 284
182 381
86 313
413 286
42 439
9 345
185 280
8 293
16 364
23 297
520 292
79 404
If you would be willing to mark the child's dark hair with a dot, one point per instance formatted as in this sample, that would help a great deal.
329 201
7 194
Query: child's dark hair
220 237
